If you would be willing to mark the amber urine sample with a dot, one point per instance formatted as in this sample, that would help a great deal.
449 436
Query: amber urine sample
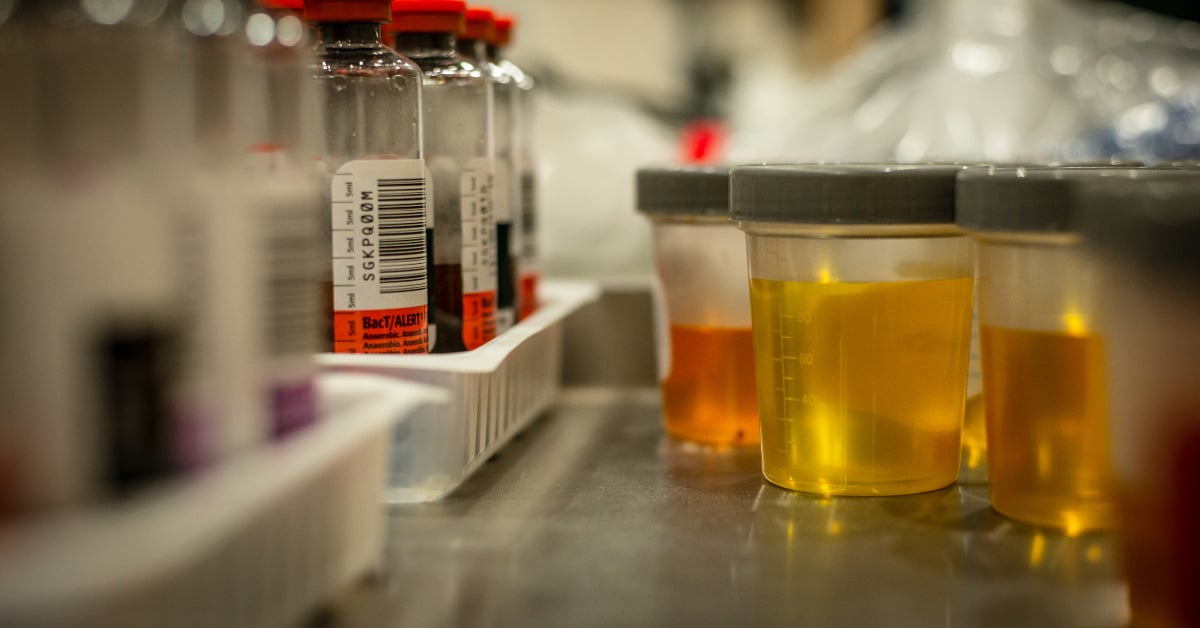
709 394
1047 424
861 385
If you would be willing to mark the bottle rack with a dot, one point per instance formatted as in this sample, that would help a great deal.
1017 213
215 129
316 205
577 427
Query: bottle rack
494 393
258 540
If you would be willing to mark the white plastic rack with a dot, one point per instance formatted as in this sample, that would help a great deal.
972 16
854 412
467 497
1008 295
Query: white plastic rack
495 391
259 540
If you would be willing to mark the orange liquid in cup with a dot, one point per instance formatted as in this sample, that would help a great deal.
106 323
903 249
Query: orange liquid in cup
1047 424
709 394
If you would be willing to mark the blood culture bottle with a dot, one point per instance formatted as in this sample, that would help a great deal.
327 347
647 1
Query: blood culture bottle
379 223
472 44
285 193
96 112
457 103
221 403
527 265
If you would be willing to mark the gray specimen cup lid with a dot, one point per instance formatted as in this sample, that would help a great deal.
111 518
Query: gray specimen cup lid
1033 199
1152 220
683 191
844 194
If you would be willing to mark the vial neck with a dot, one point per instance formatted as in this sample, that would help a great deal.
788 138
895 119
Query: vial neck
493 53
473 49
426 44
351 34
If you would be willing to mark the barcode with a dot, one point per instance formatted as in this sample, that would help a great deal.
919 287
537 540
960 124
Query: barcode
292 300
401 235
528 215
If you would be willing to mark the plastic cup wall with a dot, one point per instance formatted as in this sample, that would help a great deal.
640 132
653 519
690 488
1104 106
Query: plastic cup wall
1037 287
701 267
799 257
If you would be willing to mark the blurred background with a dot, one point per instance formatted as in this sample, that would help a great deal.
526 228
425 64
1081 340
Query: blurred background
634 82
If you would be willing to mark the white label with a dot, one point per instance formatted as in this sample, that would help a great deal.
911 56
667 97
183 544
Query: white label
478 226
379 215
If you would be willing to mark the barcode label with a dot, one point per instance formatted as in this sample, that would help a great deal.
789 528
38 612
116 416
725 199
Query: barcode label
380 297
289 237
401 229
528 216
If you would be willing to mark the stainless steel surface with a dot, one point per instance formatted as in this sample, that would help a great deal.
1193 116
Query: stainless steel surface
594 518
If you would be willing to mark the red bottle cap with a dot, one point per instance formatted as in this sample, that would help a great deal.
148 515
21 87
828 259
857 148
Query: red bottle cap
479 24
287 5
428 16
504 25
348 11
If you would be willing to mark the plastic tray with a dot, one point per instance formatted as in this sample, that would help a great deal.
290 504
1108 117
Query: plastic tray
260 540
495 391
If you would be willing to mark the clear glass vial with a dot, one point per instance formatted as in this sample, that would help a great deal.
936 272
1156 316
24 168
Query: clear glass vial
93 144
527 254
380 225
459 152
472 44
286 199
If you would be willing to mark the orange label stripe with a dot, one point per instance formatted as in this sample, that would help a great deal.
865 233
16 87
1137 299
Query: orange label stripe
528 295
401 330
479 318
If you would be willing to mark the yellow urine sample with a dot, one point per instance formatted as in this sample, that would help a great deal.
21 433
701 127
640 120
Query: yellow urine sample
861 385
1047 428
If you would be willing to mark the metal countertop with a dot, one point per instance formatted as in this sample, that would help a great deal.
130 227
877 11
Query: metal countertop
593 517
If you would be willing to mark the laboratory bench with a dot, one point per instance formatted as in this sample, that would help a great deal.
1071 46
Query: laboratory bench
594 517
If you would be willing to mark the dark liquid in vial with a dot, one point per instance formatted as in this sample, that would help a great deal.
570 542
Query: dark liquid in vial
447 293
506 279
327 316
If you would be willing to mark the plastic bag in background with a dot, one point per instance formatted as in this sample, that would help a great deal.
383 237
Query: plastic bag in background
977 80
989 92
1139 74
587 156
